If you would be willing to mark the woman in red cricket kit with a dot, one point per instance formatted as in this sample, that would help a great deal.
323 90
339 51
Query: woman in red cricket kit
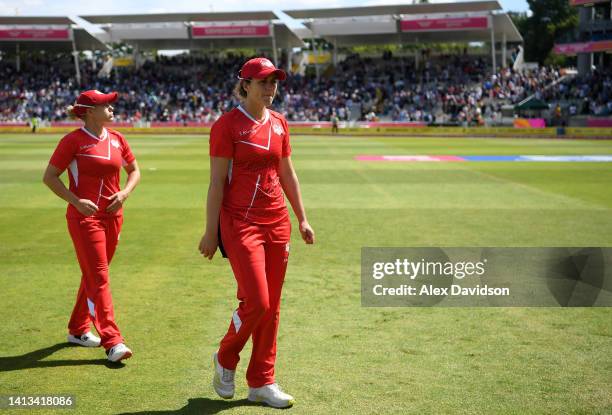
94 156
250 167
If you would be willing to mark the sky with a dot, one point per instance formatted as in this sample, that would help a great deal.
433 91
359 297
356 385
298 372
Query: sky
75 8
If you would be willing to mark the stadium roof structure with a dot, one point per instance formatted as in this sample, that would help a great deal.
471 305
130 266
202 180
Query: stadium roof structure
180 17
219 30
49 33
396 9
380 31
410 23
35 20
533 104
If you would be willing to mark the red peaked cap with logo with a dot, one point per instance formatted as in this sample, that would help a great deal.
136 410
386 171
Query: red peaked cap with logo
92 98
260 68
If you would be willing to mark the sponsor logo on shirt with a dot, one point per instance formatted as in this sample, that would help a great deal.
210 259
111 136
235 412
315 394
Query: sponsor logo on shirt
278 129
115 143
245 132
85 147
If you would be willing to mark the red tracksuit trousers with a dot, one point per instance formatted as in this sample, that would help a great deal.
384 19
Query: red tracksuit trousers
258 255
95 240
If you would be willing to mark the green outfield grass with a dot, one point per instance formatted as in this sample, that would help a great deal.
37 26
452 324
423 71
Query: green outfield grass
334 356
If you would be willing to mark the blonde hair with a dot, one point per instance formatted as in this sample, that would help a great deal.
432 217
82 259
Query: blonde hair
72 114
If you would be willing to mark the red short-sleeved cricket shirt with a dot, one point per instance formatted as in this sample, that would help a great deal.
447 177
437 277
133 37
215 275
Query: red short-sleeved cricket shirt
94 166
253 191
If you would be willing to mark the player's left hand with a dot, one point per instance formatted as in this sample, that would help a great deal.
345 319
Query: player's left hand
116 201
307 232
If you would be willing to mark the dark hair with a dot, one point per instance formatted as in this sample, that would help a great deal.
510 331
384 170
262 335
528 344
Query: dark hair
239 92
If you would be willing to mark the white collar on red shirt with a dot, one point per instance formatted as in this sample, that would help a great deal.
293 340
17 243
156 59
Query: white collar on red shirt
266 117
104 134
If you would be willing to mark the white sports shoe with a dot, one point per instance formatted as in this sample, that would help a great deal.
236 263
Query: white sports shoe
87 339
271 395
118 352
223 380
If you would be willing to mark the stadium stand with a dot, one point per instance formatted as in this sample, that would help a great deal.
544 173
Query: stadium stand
43 77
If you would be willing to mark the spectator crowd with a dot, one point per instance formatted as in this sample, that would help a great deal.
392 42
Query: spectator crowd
187 88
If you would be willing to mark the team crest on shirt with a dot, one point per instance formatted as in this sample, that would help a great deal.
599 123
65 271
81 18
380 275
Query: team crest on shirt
278 129
115 143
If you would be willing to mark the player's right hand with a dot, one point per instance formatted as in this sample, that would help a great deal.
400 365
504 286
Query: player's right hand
208 245
86 207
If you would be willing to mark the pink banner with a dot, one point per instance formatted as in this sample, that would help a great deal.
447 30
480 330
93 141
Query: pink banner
360 124
586 47
175 124
230 31
529 123
80 124
13 124
583 2
411 158
448 23
35 34
392 124
599 122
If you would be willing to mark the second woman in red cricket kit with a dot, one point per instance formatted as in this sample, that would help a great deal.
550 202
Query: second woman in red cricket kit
93 156
250 161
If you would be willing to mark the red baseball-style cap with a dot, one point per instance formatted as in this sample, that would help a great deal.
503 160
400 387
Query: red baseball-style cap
93 97
260 68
